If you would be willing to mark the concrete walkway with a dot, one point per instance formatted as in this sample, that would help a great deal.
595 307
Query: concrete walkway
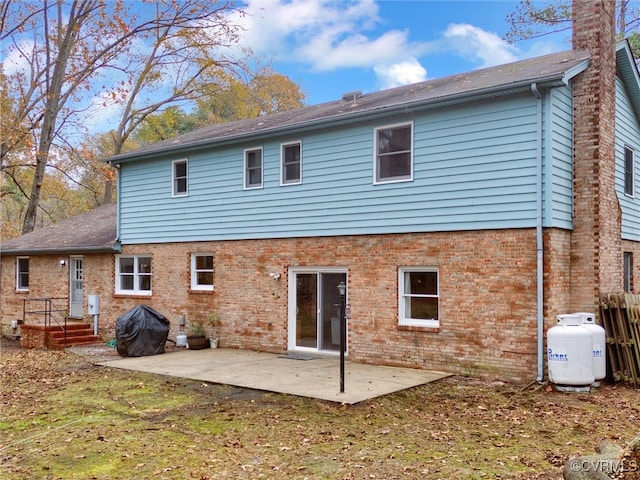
303 375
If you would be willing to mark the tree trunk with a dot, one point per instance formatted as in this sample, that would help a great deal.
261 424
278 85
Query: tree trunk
65 42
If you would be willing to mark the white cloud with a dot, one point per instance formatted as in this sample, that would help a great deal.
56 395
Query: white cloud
355 50
403 73
475 44
17 60
328 35
324 34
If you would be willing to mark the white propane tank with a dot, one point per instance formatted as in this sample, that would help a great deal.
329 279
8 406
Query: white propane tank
599 342
181 340
569 354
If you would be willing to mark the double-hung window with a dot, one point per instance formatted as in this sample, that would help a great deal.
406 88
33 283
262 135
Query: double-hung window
291 163
22 274
629 171
393 153
133 274
180 178
202 271
253 168
418 297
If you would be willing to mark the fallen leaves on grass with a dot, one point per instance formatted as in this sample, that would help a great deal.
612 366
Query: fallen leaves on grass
63 413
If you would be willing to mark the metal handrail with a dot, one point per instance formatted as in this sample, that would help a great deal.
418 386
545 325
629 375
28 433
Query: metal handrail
50 311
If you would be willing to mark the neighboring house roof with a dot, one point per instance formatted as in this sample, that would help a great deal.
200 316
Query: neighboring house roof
545 71
94 231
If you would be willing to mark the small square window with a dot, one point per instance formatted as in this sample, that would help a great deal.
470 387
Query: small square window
393 157
418 297
180 178
291 158
202 271
253 168
22 274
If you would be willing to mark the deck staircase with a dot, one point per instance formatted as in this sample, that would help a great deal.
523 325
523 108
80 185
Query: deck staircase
76 334
45 324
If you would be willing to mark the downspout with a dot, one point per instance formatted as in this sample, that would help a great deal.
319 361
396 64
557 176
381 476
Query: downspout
118 190
539 242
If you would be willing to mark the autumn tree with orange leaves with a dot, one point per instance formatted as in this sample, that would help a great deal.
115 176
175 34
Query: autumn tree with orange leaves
62 58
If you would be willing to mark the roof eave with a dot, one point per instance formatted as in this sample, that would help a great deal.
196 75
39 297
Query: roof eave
628 70
115 248
547 81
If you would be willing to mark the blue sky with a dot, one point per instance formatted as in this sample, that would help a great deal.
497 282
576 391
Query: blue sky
330 47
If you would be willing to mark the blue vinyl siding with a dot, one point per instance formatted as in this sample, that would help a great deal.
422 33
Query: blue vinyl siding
558 164
474 168
627 134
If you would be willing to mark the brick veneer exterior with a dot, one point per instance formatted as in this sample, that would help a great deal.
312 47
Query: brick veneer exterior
47 279
596 246
487 294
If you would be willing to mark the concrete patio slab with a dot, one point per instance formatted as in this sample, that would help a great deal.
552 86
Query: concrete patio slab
306 375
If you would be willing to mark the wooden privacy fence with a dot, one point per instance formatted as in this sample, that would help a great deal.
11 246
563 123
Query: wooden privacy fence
620 314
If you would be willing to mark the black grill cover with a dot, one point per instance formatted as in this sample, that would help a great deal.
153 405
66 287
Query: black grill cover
141 331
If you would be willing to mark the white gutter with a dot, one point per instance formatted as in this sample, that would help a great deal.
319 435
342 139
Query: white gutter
539 241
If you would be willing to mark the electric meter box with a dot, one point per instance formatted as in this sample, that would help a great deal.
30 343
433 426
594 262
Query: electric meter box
93 302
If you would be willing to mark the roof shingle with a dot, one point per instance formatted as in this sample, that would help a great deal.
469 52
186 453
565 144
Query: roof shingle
493 81
93 231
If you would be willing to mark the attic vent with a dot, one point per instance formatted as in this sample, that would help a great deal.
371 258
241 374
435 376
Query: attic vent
352 96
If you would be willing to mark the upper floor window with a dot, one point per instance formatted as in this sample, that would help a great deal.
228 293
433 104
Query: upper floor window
418 297
253 168
394 156
133 274
291 163
628 171
22 273
202 271
179 178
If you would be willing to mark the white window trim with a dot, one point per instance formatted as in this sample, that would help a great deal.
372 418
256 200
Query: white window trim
173 178
633 172
246 169
402 320
136 275
282 147
19 288
194 271
375 153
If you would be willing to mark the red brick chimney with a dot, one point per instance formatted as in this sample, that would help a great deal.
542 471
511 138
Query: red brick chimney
596 256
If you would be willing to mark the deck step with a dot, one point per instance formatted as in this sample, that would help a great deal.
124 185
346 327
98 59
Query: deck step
77 334
71 333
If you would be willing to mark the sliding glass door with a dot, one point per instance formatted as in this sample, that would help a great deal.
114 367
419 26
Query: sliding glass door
314 306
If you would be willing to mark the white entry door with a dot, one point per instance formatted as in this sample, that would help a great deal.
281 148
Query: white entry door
76 288
314 311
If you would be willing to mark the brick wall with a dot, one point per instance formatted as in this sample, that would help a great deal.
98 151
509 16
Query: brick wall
33 336
48 280
487 293
487 287
596 256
